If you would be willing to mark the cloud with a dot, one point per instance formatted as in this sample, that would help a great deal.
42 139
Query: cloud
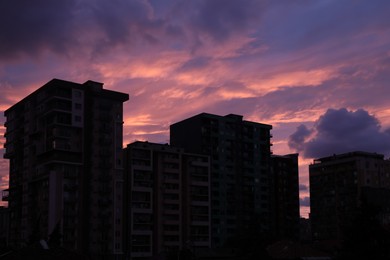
297 139
221 19
77 28
304 202
195 64
340 131
125 22
304 24
30 27
303 187
99 27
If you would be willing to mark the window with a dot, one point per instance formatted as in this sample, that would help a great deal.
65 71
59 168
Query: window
77 93
77 106
77 118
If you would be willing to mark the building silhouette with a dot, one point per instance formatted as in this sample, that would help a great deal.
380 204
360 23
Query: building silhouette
286 196
339 185
241 183
4 227
64 145
167 201
73 185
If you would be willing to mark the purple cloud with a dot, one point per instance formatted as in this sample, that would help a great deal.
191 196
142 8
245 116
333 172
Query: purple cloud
299 28
304 202
303 187
297 139
340 131
222 18
29 27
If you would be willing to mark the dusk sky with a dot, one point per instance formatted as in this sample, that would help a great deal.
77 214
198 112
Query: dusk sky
318 71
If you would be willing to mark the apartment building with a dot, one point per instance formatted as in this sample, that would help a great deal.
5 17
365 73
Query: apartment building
286 196
167 201
241 182
64 145
4 227
337 185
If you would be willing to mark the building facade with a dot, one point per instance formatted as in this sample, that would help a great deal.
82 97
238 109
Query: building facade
167 201
4 227
241 183
286 196
64 145
337 185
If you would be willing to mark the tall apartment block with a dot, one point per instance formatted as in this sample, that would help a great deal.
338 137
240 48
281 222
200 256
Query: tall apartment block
4 227
286 195
337 184
64 145
167 201
241 183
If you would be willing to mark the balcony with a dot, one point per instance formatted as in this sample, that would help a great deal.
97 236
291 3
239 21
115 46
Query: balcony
5 195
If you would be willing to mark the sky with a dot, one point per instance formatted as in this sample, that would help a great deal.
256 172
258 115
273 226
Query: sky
316 70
